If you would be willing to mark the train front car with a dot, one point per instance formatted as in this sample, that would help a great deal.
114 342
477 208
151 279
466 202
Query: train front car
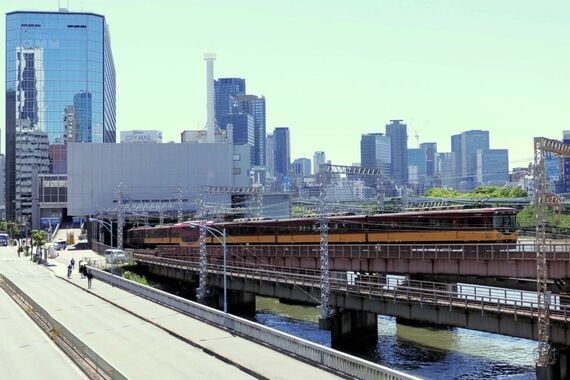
505 224
482 225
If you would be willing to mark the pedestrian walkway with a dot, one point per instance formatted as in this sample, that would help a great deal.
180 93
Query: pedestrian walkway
26 352
139 349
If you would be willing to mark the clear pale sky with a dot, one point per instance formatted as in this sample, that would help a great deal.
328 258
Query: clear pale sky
332 70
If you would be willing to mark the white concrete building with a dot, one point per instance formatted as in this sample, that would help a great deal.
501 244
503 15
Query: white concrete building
150 173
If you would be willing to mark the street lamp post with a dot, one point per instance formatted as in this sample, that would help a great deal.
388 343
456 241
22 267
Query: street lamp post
217 234
109 228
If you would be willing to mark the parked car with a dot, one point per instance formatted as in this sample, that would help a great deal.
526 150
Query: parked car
60 244
115 256
3 239
79 245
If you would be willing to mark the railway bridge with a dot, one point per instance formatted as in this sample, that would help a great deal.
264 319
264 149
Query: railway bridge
358 300
360 288
512 265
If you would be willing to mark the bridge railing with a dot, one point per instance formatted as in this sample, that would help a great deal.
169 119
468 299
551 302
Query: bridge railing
518 303
323 356
519 251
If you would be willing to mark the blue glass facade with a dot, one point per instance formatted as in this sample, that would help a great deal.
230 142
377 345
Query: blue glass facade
255 106
60 87
243 129
398 133
492 167
282 152
224 90
431 154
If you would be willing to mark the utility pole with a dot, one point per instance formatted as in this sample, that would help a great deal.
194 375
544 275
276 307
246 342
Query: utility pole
324 247
258 196
202 277
379 192
120 218
545 352
179 204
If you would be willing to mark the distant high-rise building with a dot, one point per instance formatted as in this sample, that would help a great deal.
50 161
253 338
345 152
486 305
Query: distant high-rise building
319 158
375 152
492 167
282 152
416 166
471 142
270 155
60 84
457 154
255 106
398 133
225 90
447 169
302 167
430 149
243 127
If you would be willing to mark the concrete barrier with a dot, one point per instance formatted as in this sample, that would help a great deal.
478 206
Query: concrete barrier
294 346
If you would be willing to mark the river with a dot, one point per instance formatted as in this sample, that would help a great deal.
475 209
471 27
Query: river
427 352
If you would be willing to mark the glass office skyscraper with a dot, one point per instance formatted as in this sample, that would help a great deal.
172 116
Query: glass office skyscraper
224 90
255 106
398 133
60 88
282 152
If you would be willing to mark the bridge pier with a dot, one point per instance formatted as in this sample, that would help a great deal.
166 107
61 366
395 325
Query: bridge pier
560 369
349 327
239 303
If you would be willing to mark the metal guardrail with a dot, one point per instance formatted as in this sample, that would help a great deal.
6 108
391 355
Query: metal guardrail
464 297
323 356
100 365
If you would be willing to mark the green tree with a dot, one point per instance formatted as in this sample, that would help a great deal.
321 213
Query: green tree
442 192
481 192
39 238
13 230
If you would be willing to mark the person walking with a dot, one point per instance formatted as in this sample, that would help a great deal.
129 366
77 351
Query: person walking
72 263
69 270
89 278
80 268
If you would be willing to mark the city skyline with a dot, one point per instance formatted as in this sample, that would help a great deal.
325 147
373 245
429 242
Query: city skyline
442 68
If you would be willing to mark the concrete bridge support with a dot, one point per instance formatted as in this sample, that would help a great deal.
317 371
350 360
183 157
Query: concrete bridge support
349 327
560 369
239 303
